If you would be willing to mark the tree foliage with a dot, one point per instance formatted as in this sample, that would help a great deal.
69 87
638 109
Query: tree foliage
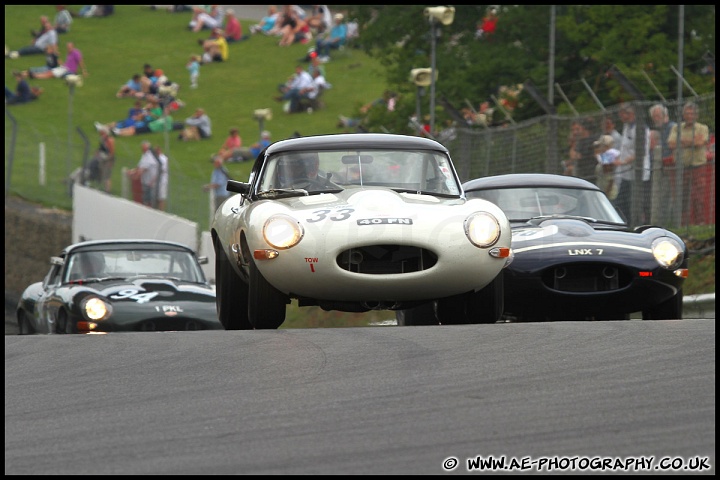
640 41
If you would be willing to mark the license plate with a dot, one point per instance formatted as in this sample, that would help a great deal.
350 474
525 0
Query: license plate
385 221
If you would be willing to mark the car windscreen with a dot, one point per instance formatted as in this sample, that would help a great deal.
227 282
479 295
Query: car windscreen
406 170
529 202
126 263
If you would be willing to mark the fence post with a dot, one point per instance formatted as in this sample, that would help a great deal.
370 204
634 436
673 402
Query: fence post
41 166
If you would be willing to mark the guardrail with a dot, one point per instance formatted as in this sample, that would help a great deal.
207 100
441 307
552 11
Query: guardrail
699 306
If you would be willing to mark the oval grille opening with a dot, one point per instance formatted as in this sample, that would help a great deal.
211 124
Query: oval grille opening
386 259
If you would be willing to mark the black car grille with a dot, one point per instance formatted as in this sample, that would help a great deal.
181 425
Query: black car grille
586 278
386 259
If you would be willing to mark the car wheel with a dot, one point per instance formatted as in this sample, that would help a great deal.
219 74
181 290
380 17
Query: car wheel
670 309
487 305
421 315
266 304
24 327
452 310
231 295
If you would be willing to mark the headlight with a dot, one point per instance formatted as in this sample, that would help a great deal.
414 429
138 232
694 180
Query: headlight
282 231
667 252
482 229
96 309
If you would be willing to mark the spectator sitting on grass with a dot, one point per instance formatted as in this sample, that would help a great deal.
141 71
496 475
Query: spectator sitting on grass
48 36
136 117
52 60
267 23
133 88
209 20
334 40
73 63
164 123
197 127
23 91
215 48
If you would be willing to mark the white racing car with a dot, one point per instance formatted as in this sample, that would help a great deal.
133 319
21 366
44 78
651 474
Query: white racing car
358 222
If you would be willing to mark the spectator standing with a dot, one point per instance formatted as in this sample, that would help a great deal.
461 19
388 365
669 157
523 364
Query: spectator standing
663 165
105 158
163 178
625 163
193 66
63 19
608 128
147 171
606 156
218 183
23 91
582 154
692 151
197 127
73 64
334 40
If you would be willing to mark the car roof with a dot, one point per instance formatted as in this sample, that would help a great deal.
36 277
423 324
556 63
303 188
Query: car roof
349 141
517 180
125 243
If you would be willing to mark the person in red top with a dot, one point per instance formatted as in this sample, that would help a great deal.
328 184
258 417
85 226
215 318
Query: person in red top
488 24
232 145
233 28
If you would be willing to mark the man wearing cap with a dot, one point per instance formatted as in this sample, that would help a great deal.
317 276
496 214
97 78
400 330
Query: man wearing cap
334 40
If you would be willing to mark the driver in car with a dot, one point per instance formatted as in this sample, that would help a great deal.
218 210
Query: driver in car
92 265
302 171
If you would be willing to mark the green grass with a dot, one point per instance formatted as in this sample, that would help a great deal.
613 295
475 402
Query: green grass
118 46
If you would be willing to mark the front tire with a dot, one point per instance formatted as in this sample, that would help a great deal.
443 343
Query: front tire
487 305
266 304
670 309
231 295
24 327
420 315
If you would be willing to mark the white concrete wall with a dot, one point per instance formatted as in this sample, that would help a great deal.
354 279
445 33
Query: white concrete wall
100 216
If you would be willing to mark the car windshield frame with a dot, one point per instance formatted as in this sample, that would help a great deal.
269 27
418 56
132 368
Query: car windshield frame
522 203
135 262
415 171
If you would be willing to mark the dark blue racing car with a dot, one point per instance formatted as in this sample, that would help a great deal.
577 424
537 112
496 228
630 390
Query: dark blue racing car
575 256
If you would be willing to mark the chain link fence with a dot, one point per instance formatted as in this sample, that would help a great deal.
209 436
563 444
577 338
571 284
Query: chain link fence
533 146
675 196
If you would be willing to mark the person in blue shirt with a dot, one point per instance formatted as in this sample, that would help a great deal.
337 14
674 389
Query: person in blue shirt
218 182
133 88
334 40
251 153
